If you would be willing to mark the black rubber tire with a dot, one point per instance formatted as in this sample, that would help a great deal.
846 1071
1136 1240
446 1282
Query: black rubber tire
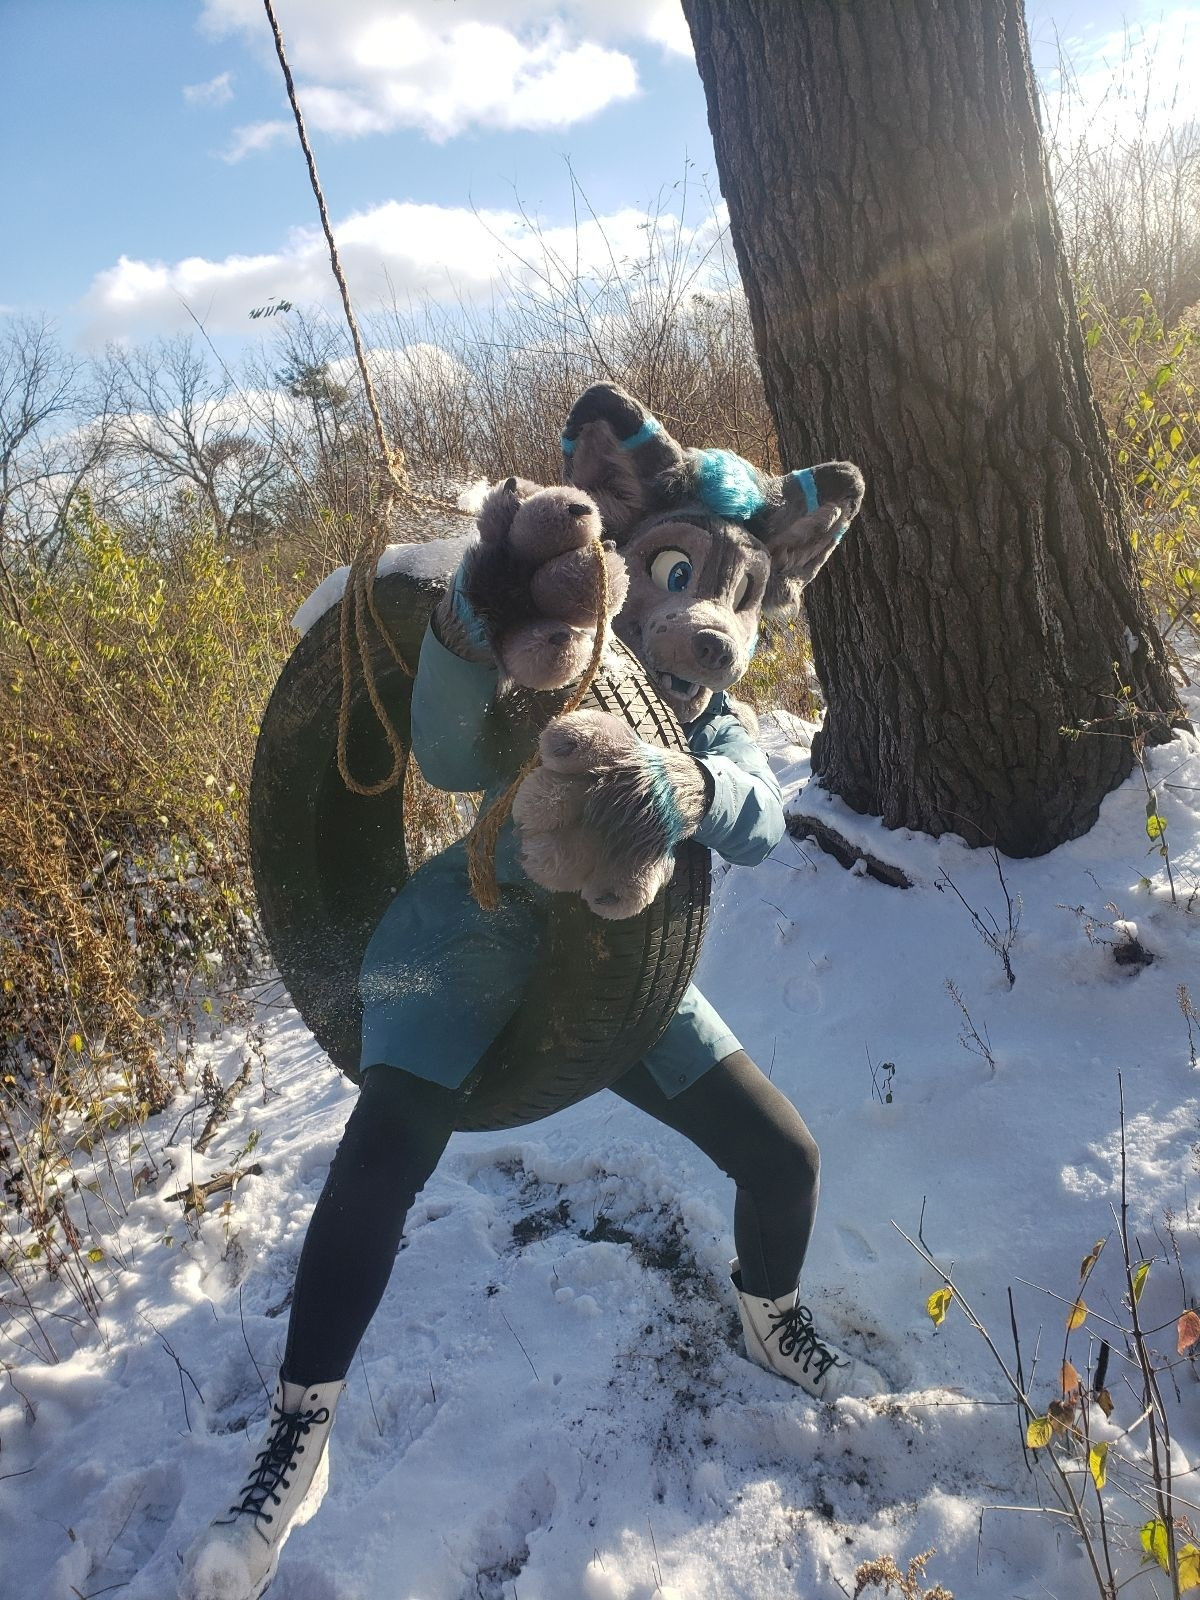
327 863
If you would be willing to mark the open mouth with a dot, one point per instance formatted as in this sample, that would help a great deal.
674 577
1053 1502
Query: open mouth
683 687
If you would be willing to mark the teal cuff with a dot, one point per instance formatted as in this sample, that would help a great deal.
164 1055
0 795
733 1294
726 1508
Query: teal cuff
808 483
663 799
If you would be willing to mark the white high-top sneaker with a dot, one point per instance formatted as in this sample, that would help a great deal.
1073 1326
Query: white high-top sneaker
236 1555
781 1336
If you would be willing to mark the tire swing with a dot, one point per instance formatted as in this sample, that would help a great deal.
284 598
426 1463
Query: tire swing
327 857
327 862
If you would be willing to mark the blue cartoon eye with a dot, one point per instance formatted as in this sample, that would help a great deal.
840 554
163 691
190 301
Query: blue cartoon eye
671 570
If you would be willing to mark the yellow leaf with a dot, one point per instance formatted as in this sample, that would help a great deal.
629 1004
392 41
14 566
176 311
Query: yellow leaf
1139 1281
1098 1464
206 1005
1154 1542
1188 1564
1156 826
1078 1316
1089 1261
76 1043
1038 1433
1187 1331
938 1304
95 1255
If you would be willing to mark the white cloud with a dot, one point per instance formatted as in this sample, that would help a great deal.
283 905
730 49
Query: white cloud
369 66
254 136
401 249
1126 83
217 91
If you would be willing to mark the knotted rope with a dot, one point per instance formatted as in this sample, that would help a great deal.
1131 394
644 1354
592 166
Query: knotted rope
358 600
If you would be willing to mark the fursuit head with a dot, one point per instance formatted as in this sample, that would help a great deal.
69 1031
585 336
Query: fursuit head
700 546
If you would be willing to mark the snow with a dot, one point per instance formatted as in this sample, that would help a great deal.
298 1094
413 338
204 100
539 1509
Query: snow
552 1402
329 591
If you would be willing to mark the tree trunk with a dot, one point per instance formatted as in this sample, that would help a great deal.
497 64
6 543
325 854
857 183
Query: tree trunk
891 211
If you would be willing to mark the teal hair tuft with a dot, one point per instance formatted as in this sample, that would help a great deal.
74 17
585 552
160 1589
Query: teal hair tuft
728 485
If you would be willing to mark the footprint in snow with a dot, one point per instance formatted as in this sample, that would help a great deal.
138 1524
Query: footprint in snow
122 1537
499 1550
857 1248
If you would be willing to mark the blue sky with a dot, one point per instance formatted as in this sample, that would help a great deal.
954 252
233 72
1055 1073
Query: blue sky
148 157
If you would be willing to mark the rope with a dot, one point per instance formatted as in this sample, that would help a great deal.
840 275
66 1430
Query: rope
358 601
396 465
481 842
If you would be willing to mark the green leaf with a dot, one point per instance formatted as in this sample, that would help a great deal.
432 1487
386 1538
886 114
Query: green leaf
1154 1542
95 1255
1139 1281
938 1304
1038 1433
1156 826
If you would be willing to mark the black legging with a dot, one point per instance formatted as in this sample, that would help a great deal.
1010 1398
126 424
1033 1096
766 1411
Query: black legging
395 1137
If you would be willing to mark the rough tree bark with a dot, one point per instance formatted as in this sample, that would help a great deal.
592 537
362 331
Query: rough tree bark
891 212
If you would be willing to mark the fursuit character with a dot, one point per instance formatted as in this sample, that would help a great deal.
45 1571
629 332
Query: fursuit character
702 545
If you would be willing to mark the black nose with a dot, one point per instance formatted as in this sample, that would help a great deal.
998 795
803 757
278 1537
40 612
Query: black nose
713 650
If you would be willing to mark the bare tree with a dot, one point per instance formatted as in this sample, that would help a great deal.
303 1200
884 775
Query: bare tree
39 395
186 427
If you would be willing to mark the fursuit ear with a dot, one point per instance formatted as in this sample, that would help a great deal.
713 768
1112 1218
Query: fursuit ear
810 511
500 506
619 453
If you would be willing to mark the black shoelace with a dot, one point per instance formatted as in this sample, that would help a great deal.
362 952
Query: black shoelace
274 1460
798 1339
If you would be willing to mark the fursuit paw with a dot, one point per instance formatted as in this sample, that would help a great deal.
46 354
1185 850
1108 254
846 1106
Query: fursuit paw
532 581
602 815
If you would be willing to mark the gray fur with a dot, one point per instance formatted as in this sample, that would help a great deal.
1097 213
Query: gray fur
588 818
800 541
532 581
705 634
610 477
500 506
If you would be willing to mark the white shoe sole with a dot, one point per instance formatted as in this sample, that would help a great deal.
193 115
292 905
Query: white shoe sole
307 1509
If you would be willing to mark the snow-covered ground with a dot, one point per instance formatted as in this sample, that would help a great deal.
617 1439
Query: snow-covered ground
552 1401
